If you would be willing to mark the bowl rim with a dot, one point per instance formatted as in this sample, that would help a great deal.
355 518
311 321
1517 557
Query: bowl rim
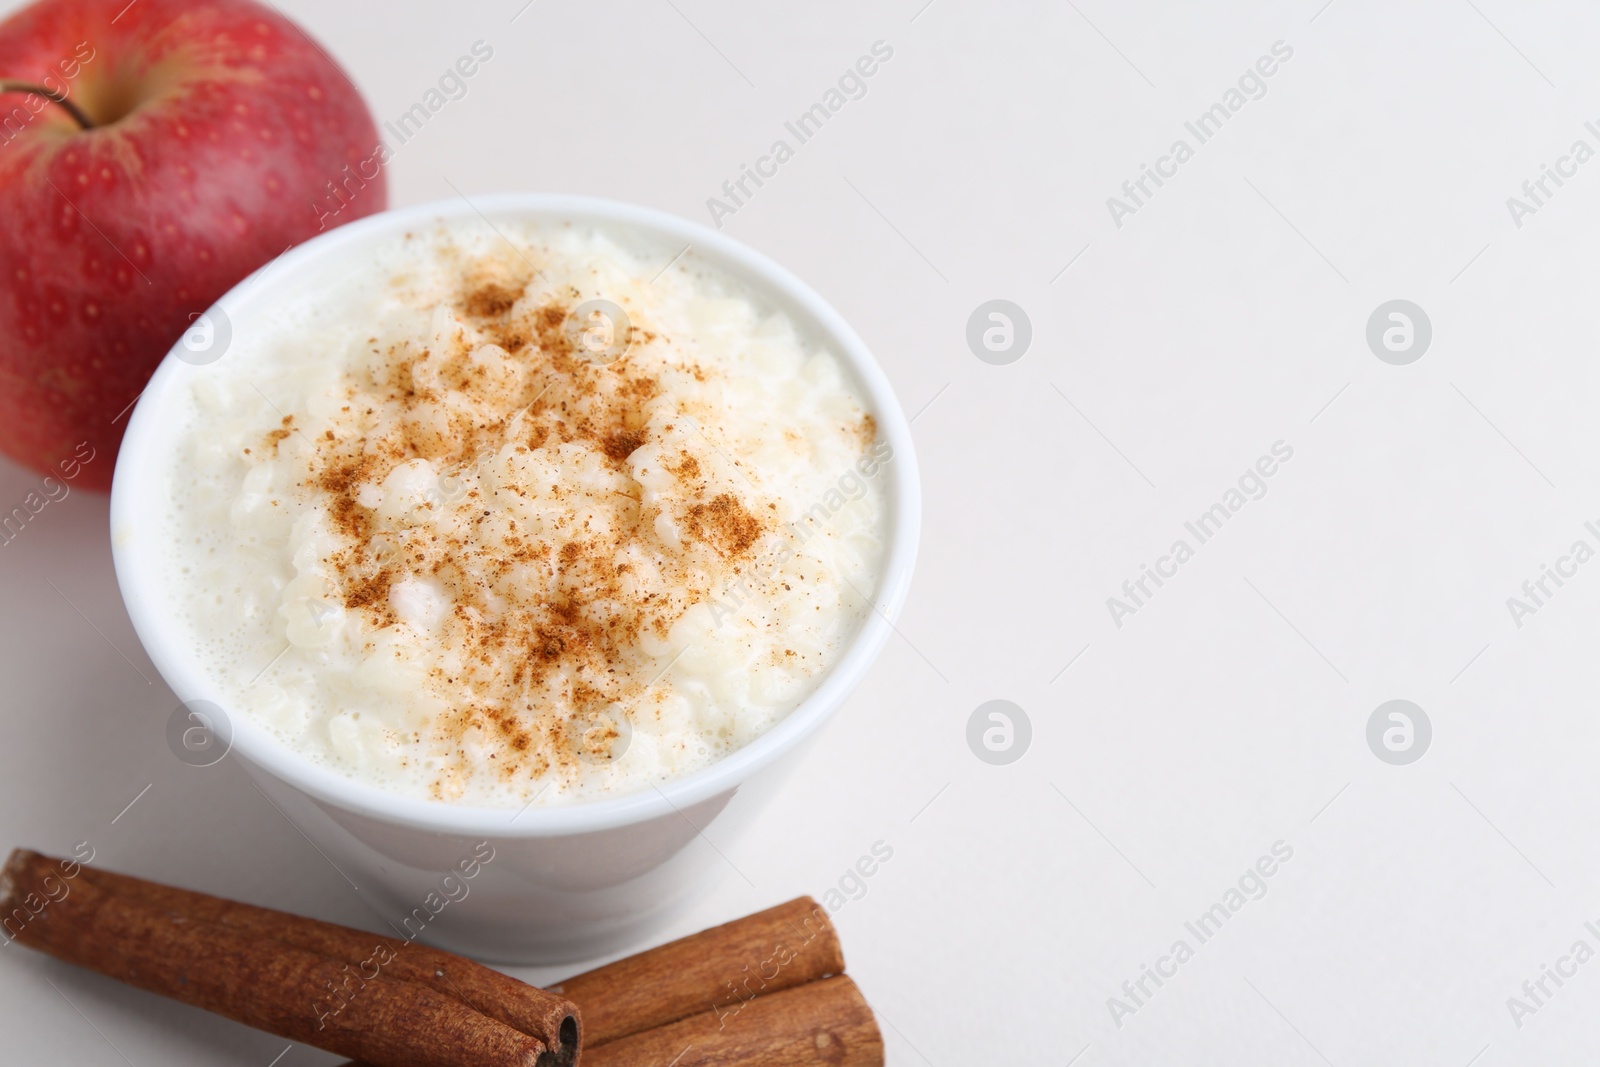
137 575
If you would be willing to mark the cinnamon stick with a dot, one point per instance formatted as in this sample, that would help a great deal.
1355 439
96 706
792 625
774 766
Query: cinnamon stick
261 982
785 947
790 945
782 947
519 1005
824 1024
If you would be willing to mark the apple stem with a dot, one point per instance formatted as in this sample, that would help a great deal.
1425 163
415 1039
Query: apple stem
54 97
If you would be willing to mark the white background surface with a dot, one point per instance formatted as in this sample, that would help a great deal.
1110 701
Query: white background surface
1230 712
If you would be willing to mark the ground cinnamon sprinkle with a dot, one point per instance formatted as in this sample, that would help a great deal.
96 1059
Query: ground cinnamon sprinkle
622 444
370 592
867 431
491 300
493 468
725 524
688 467
274 437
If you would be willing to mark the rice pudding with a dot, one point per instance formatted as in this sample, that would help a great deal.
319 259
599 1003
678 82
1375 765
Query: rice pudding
516 516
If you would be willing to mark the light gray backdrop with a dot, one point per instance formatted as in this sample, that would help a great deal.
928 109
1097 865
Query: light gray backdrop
1229 711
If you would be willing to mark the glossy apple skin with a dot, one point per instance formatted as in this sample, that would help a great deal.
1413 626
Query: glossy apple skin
222 134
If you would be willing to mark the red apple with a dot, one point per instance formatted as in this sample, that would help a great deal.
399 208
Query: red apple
218 135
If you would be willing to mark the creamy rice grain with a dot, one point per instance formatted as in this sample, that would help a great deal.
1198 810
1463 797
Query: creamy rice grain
506 550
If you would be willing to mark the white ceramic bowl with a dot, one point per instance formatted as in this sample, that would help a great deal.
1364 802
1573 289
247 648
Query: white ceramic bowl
564 882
